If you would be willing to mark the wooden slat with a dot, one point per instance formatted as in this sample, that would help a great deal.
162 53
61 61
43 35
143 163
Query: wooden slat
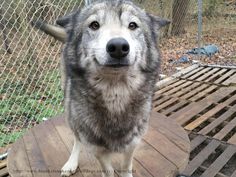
18 162
151 163
51 147
194 124
213 77
195 76
232 140
223 132
203 93
220 162
194 71
165 104
231 80
210 113
37 163
185 114
217 121
161 100
169 87
234 174
197 141
195 91
185 90
174 154
3 172
3 163
207 74
181 141
174 107
139 170
89 164
178 88
201 157
218 81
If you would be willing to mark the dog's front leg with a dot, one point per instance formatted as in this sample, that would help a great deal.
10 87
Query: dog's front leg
106 165
71 165
127 165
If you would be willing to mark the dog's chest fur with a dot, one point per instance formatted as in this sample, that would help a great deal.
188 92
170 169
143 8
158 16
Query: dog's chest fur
109 113
116 91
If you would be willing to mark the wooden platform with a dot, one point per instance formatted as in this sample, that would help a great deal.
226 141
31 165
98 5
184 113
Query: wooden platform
203 100
44 149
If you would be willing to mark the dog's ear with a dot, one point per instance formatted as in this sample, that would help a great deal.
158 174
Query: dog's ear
158 22
65 20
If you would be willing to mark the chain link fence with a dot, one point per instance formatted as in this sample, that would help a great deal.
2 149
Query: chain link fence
30 89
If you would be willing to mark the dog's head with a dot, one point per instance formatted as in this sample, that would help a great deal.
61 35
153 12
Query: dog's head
110 35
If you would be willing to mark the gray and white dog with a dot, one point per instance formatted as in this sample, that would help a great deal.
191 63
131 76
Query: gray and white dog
111 61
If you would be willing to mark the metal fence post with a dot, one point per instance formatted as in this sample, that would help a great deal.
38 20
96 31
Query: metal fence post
199 38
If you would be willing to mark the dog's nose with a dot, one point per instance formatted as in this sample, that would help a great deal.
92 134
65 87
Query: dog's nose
118 48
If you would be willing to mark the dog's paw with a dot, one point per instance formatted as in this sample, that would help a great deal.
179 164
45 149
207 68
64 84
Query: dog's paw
68 169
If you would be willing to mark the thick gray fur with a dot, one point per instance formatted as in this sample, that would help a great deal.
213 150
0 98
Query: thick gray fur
87 113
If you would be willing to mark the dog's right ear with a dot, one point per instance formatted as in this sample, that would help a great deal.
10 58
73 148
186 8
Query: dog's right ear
65 20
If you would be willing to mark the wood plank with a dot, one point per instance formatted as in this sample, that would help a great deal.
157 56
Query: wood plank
17 161
67 138
218 81
207 74
178 88
220 162
234 174
198 74
139 170
3 172
165 104
174 154
197 141
3 163
231 80
169 87
201 157
186 90
163 98
232 140
223 132
219 73
165 168
51 146
36 160
217 121
190 94
168 128
195 123
203 93
184 115
174 107
192 72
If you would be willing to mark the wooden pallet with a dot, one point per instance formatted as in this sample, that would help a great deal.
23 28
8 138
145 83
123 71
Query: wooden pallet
202 99
211 158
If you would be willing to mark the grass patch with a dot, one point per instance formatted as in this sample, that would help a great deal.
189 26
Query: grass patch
22 107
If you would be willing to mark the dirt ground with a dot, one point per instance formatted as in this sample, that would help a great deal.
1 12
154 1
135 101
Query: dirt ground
174 47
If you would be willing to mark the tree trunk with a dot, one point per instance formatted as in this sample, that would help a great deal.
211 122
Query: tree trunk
179 11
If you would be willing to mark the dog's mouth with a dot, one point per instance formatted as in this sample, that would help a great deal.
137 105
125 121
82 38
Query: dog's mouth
114 63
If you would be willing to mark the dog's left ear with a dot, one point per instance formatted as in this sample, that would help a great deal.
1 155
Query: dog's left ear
158 22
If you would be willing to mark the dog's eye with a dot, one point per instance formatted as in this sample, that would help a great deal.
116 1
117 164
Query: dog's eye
94 25
133 26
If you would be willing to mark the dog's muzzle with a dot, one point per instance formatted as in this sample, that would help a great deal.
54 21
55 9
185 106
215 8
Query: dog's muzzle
118 49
